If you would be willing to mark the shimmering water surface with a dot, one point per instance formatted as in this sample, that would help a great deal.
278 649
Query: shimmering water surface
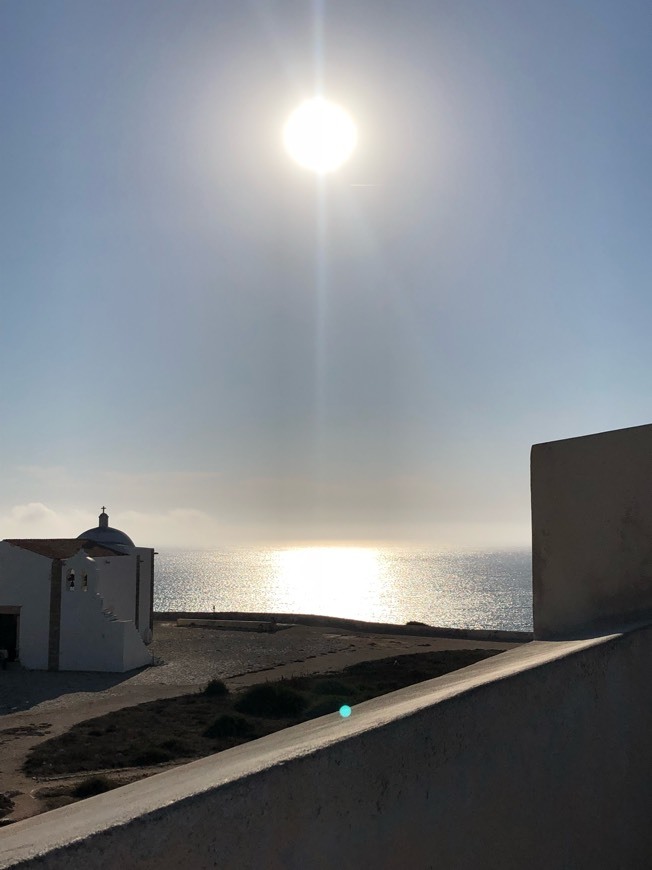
458 589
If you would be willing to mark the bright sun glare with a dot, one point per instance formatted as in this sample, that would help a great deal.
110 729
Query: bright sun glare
321 579
320 135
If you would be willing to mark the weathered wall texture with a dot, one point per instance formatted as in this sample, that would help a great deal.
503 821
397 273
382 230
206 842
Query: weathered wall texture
538 758
592 532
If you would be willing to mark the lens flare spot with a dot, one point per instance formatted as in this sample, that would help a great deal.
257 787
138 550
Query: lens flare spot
345 711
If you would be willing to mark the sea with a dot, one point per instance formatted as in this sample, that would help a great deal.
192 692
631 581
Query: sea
490 589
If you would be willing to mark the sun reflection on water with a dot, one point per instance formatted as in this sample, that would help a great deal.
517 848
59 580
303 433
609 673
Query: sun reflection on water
323 579
380 584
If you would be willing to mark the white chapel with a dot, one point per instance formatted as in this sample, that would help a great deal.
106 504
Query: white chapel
77 604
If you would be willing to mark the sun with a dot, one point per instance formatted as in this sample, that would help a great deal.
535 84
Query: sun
320 135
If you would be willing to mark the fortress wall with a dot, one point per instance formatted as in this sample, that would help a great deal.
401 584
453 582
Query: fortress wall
539 757
592 532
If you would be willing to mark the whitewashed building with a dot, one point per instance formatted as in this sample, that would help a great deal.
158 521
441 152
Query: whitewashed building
77 604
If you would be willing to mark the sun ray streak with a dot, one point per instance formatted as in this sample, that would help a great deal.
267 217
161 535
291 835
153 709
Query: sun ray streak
318 46
321 323
321 262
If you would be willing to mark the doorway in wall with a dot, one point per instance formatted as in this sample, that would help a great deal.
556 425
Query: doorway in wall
9 634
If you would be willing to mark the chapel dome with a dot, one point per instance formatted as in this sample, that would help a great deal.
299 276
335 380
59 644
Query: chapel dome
104 534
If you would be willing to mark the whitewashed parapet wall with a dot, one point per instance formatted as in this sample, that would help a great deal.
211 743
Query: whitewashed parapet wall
592 532
537 758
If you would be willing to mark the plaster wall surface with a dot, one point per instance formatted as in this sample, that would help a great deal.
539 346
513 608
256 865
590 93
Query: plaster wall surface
537 758
592 531
25 583
146 555
117 586
134 652
117 583
90 641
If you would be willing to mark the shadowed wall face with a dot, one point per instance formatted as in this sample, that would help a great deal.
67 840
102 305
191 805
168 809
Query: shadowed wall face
536 758
592 532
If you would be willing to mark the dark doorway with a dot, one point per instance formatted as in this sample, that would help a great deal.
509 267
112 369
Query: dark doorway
9 634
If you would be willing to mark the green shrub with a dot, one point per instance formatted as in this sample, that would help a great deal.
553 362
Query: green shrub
273 701
216 688
178 747
153 755
227 726
331 687
92 785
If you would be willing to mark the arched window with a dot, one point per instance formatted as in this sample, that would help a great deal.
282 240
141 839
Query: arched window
70 580
85 583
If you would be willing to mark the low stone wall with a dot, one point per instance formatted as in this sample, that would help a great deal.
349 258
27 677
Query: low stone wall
234 624
413 629
539 757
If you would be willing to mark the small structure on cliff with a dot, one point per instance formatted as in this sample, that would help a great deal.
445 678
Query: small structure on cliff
77 604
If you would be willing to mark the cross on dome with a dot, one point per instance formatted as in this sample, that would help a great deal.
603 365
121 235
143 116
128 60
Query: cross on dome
104 534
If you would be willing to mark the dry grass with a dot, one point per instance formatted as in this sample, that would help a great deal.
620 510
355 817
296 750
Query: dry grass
193 726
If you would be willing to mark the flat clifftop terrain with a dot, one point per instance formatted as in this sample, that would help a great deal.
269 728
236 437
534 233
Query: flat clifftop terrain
36 706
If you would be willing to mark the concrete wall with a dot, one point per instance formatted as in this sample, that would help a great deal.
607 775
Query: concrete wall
25 583
592 532
537 758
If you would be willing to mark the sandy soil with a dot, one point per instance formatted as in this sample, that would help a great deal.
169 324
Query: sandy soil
36 705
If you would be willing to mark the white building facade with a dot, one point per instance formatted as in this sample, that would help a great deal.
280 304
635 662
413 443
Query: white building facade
77 604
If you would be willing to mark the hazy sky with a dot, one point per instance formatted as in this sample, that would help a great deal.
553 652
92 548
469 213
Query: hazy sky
198 334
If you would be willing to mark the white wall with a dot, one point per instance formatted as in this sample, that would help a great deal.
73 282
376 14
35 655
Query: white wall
117 585
90 641
592 531
537 758
147 557
25 583
134 652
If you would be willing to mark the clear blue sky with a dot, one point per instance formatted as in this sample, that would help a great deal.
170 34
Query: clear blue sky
194 336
